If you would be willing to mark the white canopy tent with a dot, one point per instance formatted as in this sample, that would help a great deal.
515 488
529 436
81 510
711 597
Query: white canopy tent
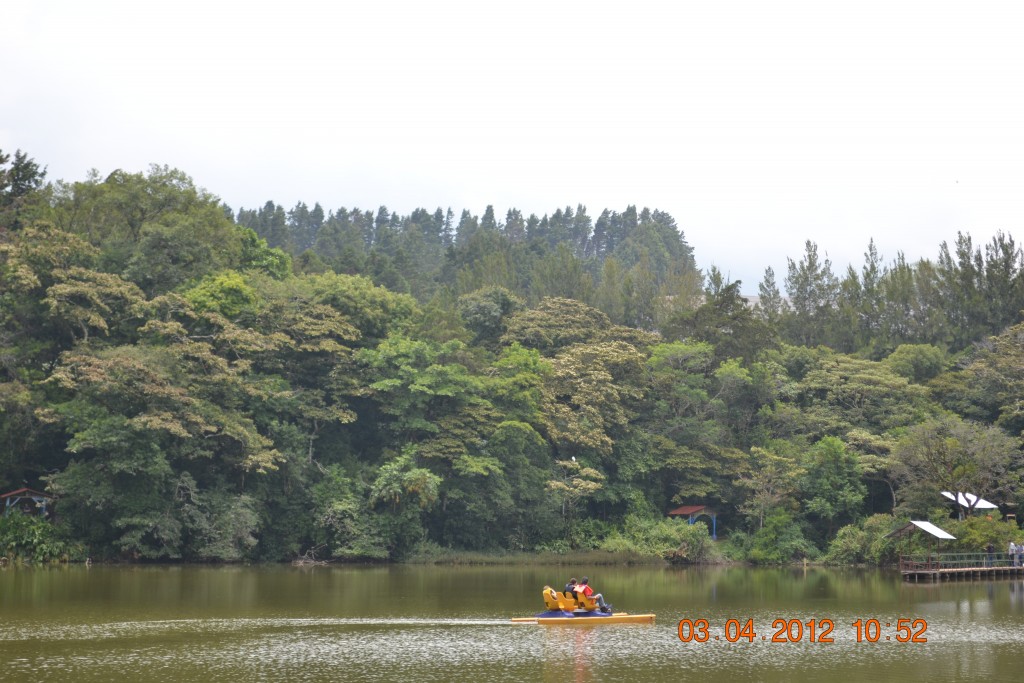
923 526
934 530
969 502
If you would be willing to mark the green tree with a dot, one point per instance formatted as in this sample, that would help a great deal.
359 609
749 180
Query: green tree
554 324
871 300
771 482
652 236
374 311
305 341
988 385
680 293
403 491
917 362
779 541
960 280
141 421
812 290
227 293
770 304
345 519
726 322
641 287
561 274
259 257
955 455
20 183
515 226
875 460
52 295
417 384
831 485
683 393
1003 282
155 229
484 312
590 396
834 393
576 484
610 295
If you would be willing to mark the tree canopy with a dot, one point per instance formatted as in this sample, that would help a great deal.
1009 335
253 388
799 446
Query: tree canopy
202 384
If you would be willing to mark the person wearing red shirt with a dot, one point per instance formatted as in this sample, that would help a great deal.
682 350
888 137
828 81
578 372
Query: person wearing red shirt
584 587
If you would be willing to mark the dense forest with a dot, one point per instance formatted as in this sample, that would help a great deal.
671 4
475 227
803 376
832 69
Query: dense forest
197 383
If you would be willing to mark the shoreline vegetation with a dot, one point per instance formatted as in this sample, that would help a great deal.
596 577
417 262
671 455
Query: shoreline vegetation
185 382
866 544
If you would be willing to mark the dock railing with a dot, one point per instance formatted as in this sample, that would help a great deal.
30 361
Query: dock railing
939 561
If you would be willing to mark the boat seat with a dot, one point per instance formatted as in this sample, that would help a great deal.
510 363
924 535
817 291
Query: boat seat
551 600
568 601
589 604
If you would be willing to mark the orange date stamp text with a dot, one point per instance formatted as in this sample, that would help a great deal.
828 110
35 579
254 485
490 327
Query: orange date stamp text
797 631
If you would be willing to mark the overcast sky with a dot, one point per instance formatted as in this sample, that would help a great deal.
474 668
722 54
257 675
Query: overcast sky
756 124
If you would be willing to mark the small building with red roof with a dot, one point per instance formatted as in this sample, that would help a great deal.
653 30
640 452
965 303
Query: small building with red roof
693 512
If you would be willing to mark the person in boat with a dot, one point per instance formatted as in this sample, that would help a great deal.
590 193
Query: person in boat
571 586
584 587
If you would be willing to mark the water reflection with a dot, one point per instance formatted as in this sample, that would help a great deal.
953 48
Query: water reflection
568 653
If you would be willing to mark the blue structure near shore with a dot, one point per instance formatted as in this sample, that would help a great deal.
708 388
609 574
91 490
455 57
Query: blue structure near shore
27 501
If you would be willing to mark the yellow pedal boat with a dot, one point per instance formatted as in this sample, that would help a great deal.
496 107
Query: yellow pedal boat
584 618
569 608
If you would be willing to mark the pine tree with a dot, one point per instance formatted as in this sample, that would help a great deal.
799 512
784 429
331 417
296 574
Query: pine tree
579 232
448 233
468 226
812 290
598 245
488 221
515 226
770 304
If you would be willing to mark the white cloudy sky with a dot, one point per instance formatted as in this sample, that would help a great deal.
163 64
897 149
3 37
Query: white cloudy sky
757 124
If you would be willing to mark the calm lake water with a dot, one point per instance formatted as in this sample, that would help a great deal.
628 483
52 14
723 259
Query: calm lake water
452 624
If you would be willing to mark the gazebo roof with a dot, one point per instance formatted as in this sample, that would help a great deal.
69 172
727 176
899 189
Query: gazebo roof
688 510
25 493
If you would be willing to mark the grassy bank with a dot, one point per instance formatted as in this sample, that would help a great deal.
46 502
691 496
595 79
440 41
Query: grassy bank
582 557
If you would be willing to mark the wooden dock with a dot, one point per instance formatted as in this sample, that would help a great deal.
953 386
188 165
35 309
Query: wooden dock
959 567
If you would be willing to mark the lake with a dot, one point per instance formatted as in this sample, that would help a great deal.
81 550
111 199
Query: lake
427 623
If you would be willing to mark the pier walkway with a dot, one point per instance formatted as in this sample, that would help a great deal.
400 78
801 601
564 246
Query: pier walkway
958 566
